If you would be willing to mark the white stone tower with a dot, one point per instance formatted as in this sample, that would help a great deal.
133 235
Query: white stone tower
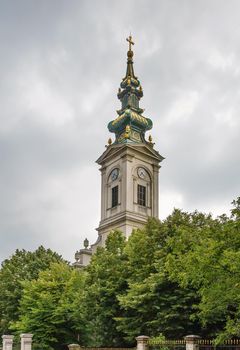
129 166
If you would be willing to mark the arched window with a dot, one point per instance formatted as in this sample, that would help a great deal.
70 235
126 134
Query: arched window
142 190
113 185
141 195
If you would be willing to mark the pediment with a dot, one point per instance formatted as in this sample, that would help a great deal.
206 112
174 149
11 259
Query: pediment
147 150
114 150
111 151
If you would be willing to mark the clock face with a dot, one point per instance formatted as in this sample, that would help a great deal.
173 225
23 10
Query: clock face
114 174
142 173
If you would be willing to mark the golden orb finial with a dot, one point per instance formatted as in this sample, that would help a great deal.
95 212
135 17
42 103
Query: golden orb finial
109 141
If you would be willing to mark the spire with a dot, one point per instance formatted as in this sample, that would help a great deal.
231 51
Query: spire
130 90
130 71
130 125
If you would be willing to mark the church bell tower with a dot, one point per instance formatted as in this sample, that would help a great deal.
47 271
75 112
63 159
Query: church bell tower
130 165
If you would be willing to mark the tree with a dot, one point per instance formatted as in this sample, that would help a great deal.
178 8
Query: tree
152 303
105 281
22 266
208 258
175 277
49 307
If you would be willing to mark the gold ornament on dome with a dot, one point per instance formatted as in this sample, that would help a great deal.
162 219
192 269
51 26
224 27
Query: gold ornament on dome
127 132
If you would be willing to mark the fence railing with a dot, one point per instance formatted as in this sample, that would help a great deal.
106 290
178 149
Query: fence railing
194 343
190 342
167 344
208 344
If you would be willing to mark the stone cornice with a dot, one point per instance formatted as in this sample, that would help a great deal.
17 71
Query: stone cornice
122 217
114 150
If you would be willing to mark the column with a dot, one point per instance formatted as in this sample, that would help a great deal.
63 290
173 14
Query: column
142 342
192 342
104 193
7 341
155 190
26 341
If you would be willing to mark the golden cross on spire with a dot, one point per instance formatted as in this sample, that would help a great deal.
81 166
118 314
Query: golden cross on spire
129 39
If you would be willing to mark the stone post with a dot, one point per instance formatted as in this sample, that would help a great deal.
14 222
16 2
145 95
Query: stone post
192 342
26 341
74 347
142 342
7 342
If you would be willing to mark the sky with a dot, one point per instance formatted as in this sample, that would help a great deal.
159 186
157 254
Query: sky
61 64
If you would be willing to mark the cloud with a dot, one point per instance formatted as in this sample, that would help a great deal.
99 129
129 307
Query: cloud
61 66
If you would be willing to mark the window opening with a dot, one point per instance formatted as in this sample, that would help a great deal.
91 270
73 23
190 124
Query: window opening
114 196
141 195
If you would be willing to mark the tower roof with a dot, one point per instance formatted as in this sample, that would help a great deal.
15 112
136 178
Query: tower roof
130 125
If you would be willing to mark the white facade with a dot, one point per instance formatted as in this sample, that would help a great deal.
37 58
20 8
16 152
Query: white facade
131 165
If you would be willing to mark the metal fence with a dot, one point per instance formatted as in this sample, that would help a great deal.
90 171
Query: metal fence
208 344
167 344
203 344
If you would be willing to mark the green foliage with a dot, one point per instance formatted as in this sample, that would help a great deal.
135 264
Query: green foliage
49 307
22 266
152 303
157 340
171 278
106 280
208 257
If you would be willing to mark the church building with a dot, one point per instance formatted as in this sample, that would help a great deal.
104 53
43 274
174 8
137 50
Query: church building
129 168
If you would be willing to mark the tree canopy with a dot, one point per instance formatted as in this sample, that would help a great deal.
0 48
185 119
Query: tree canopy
208 258
21 266
50 307
106 280
173 277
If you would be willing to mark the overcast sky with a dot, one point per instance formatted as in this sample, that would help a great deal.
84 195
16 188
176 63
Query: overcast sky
61 63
